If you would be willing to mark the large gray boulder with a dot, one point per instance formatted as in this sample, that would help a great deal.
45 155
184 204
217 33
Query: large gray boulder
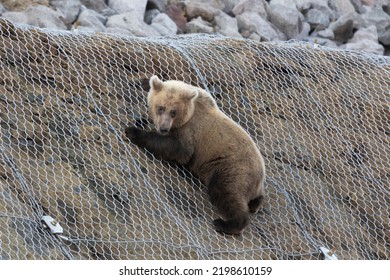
249 23
288 20
16 17
2 9
344 26
164 25
341 7
378 17
226 25
302 5
130 21
365 40
326 34
135 7
203 10
251 6
287 3
218 4
198 25
96 5
70 9
40 16
317 19
229 6
90 20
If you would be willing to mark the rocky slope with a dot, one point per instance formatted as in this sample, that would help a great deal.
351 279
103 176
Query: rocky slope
319 116
362 25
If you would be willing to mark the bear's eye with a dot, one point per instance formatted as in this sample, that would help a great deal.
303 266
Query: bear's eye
173 113
160 110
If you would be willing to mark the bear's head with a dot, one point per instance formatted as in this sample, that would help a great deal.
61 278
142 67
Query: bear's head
171 103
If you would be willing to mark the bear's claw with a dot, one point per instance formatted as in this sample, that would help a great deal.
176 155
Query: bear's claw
132 132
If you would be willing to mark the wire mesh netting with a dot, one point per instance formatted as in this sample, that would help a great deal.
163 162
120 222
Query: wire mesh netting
319 116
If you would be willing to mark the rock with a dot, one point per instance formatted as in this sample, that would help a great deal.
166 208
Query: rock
321 5
40 16
164 25
255 37
177 14
205 11
131 22
369 2
287 3
229 5
326 10
156 4
45 17
369 33
366 40
286 19
96 5
326 34
16 17
302 5
136 7
251 6
226 25
90 20
341 7
2 9
322 42
249 23
317 19
305 31
198 25
376 16
119 31
70 9
218 4
99 6
22 5
358 6
150 15
386 8
343 27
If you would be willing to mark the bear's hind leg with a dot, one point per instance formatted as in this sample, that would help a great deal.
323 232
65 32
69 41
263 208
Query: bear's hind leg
231 206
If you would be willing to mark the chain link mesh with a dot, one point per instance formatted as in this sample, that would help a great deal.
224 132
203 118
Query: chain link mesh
319 116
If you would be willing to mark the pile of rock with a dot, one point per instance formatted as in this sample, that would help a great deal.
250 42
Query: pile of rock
362 25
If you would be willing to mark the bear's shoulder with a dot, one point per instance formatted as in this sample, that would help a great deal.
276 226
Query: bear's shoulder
206 99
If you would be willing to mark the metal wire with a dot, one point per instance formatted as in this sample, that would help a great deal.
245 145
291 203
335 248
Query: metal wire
319 116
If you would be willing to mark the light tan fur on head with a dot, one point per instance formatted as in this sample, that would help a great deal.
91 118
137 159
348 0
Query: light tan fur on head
171 103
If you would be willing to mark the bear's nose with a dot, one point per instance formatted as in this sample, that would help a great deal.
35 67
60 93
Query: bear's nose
164 130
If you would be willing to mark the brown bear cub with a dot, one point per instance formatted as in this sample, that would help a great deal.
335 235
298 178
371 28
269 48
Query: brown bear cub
191 130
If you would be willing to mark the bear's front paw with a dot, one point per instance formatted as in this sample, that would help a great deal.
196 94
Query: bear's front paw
132 133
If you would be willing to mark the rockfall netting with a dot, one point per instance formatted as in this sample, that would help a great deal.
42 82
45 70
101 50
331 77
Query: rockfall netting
319 116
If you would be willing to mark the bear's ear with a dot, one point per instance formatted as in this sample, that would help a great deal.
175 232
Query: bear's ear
155 83
193 94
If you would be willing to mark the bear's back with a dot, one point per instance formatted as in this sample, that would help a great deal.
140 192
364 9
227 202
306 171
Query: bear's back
217 139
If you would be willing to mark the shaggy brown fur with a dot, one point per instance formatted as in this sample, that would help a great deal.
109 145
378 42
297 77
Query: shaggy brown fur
191 130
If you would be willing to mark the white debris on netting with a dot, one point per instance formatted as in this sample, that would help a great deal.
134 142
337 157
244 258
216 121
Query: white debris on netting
72 186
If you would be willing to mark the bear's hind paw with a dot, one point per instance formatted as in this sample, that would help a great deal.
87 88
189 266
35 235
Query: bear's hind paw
231 227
